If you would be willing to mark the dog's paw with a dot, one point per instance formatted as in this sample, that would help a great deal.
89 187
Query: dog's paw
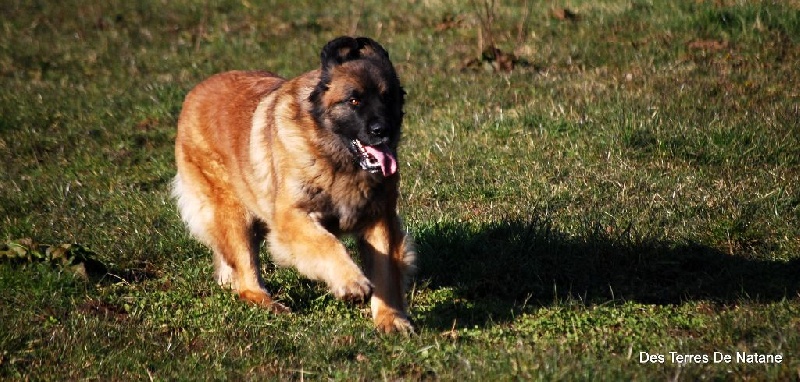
358 290
394 322
263 299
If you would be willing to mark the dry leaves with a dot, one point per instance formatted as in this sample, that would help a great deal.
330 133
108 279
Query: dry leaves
564 14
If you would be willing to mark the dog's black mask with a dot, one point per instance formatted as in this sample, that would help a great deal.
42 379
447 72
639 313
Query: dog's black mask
359 98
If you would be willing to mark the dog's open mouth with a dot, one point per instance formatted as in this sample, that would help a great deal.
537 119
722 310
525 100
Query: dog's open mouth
374 159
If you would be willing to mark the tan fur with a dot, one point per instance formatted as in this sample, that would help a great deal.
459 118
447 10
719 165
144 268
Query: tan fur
247 151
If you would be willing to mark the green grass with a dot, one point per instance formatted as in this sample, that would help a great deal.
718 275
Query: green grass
632 188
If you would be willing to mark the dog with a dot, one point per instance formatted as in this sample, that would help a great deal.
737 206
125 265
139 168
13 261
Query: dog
298 163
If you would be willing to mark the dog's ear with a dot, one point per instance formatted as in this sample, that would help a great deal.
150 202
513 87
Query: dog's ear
343 49
339 50
370 47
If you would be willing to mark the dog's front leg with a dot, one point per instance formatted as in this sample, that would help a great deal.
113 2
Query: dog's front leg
388 254
297 239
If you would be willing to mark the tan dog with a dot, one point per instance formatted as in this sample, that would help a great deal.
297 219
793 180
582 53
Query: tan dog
300 162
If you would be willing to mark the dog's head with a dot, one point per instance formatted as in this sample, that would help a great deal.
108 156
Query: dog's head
359 98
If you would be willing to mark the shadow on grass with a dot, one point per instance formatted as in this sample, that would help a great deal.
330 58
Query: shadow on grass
496 269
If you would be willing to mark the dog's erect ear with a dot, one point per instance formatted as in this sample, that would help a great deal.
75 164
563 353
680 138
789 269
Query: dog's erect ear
370 47
343 49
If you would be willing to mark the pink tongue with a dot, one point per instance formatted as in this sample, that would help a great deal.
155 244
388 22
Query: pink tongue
385 157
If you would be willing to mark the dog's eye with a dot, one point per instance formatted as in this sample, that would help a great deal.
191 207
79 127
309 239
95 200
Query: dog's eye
354 102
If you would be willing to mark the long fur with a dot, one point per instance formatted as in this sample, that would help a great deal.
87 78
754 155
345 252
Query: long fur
262 158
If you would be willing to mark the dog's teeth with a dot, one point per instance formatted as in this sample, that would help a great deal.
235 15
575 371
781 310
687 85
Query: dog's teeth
366 161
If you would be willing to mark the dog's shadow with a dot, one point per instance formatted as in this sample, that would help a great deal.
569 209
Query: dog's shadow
491 272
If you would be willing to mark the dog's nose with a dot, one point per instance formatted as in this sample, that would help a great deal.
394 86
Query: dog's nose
378 129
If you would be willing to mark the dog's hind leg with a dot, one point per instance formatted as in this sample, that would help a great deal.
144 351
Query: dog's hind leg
236 238
233 235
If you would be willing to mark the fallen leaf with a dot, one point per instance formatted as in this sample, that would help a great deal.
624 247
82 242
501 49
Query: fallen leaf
564 14
73 257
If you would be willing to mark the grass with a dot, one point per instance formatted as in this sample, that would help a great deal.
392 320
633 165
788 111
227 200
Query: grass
631 186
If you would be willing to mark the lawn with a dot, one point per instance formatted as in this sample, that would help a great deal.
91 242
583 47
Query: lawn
598 190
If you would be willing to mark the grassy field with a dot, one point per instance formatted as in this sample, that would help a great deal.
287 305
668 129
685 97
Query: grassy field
630 186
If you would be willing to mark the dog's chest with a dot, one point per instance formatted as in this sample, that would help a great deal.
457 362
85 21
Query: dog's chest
345 206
